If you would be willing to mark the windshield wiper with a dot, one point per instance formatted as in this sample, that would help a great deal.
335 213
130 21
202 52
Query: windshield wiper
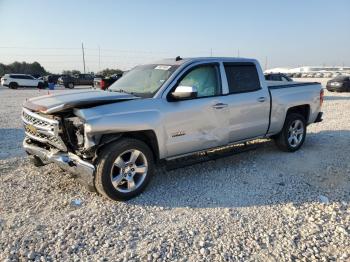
121 91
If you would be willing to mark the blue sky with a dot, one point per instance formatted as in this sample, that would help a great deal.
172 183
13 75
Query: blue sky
288 33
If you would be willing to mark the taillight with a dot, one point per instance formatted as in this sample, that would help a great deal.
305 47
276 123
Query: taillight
321 97
102 85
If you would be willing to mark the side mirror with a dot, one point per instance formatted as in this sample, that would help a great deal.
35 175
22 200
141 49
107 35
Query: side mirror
184 92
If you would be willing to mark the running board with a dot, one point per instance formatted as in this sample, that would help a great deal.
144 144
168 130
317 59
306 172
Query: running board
209 156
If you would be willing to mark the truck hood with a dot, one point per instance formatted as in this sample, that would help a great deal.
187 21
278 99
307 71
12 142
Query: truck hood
54 103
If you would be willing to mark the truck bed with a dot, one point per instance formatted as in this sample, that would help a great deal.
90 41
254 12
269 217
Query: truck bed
285 95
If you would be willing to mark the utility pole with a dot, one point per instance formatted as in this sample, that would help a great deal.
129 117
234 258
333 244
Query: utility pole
82 47
211 52
265 62
238 52
99 57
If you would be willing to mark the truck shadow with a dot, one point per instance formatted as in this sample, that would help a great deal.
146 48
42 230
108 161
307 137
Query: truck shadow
264 176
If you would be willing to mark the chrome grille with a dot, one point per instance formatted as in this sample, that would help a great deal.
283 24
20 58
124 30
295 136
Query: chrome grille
42 129
35 121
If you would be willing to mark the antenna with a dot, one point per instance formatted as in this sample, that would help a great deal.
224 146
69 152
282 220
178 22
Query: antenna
82 47
211 52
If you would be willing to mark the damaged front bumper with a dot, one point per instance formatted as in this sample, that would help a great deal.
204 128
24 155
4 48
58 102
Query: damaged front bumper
82 170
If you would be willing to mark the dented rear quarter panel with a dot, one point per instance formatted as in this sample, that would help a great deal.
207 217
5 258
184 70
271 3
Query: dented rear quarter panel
285 98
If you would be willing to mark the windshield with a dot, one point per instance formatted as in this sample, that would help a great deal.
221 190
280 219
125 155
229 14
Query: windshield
143 81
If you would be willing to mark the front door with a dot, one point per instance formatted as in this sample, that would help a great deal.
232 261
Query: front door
199 123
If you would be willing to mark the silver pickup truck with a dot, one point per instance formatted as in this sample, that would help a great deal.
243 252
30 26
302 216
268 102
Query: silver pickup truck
111 140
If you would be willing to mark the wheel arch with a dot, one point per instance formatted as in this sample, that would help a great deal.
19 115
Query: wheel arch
303 110
147 136
12 83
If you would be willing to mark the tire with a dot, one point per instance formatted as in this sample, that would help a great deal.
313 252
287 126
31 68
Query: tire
40 85
13 85
293 134
70 85
37 161
115 163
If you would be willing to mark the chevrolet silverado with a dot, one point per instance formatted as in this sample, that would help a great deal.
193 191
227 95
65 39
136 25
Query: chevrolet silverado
112 140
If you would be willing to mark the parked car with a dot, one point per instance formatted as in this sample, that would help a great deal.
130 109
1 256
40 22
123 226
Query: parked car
104 82
327 75
278 77
71 81
339 84
336 74
296 75
53 78
319 75
14 81
174 108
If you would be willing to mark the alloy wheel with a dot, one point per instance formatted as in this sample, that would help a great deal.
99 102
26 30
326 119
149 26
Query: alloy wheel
295 133
129 171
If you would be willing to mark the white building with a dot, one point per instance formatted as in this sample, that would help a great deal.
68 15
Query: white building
310 69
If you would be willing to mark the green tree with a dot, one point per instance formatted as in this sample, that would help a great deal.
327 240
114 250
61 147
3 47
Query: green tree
109 72
23 68
71 72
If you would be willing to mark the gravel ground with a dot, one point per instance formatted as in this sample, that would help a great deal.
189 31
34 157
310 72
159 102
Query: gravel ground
261 205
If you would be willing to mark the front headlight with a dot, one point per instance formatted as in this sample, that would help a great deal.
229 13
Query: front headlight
75 131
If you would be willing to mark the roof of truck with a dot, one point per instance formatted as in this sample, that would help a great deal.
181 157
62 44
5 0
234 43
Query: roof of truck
174 61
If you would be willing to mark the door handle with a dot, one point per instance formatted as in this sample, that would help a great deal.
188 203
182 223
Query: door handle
261 99
220 106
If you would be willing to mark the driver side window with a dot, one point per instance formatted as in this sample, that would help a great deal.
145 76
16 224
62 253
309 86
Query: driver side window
205 78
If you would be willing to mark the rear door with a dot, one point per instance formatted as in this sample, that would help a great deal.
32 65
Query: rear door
86 79
248 102
30 81
20 79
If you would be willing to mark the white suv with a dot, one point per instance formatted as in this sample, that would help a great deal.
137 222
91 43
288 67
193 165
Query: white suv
16 80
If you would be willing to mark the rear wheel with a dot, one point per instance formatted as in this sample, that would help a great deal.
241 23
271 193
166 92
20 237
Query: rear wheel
13 85
124 169
292 136
70 85
40 85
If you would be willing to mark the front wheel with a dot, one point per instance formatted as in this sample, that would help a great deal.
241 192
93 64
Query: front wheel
40 85
292 136
124 169
69 85
13 85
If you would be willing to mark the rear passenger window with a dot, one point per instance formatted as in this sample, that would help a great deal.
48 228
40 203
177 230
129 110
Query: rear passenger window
242 77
